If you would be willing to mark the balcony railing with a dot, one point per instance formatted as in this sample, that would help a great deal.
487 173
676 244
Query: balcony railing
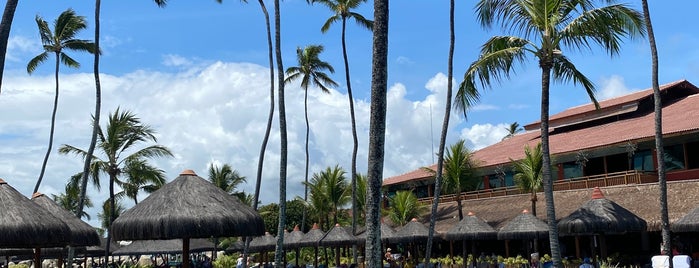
603 180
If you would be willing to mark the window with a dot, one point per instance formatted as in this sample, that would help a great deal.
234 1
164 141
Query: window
674 157
643 161
501 180
692 155
572 170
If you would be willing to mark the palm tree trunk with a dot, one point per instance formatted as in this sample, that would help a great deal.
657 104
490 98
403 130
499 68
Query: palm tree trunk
112 216
282 132
546 159
533 199
308 129
660 151
354 139
442 140
261 159
53 126
377 132
5 26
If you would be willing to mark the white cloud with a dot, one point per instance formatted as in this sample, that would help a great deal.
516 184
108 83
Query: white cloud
19 45
485 107
612 87
176 61
480 136
404 60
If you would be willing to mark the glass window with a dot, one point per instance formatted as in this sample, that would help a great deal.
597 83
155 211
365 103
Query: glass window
674 157
643 161
572 170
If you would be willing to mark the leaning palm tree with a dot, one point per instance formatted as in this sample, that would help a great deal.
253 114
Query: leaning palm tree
377 133
124 132
343 10
545 29
403 207
311 71
528 172
659 149
5 26
57 41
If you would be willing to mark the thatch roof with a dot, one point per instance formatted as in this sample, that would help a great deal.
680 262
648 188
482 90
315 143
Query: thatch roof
524 226
386 233
600 216
236 246
639 199
263 243
337 236
688 222
81 233
471 228
291 239
311 238
24 224
187 207
96 251
412 232
170 246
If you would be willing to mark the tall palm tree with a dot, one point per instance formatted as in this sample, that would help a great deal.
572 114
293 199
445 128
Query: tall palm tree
335 189
342 10
528 172
282 134
443 134
403 207
546 28
124 132
5 26
659 148
310 71
459 172
62 38
70 198
377 133
317 203
139 176
512 129
228 179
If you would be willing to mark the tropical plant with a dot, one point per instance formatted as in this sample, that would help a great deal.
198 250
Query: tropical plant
377 133
310 71
512 129
104 217
328 193
546 28
659 147
528 172
343 10
139 176
360 198
403 207
56 42
123 133
227 179
459 172
5 26
70 198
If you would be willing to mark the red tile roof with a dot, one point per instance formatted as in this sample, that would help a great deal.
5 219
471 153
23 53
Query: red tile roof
678 118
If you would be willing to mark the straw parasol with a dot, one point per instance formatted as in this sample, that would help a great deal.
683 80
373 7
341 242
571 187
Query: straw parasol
98 250
188 207
170 246
263 243
236 246
688 222
81 233
337 236
600 215
311 239
386 234
412 232
471 228
524 226
292 239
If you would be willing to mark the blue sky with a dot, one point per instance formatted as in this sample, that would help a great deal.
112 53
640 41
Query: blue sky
197 72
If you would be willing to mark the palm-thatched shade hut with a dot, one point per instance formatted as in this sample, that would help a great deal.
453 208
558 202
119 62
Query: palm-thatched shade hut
81 233
387 233
471 228
412 232
188 207
599 216
311 239
524 226
263 243
98 250
170 246
292 239
236 246
688 223
337 237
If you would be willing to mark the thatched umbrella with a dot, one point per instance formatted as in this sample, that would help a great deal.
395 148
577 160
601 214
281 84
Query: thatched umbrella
412 232
98 250
236 246
387 233
188 207
471 228
291 241
523 227
336 237
688 222
169 246
263 243
24 224
599 215
81 233
311 239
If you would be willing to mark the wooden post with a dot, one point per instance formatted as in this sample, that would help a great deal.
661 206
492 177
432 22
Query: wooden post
185 252
577 246
37 257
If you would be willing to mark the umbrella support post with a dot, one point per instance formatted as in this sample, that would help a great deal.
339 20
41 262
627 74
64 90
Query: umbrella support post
451 248
577 246
507 248
185 252
37 257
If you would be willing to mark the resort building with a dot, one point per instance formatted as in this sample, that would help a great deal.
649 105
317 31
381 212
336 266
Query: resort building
611 147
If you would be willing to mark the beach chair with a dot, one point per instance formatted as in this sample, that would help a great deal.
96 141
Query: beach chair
681 261
660 261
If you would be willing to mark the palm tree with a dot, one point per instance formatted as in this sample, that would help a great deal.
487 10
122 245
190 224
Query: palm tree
403 207
62 38
139 176
360 197
342 11
5 26
546 28
459 172
659 148
123 133
228 179
512 129
528 172
282 134
70 198
310 70
106 214
377 132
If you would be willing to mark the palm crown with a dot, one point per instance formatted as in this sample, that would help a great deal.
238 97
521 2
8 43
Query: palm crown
310 69
66 27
